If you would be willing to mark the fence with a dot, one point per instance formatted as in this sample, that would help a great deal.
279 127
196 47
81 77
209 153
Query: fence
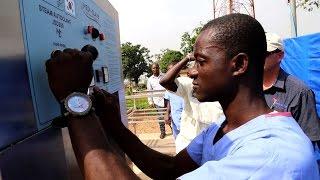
137 116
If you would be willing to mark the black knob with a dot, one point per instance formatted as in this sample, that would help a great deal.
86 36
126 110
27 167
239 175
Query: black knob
94 51
95 33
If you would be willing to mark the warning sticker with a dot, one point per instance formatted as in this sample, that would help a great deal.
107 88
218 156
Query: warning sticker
70 7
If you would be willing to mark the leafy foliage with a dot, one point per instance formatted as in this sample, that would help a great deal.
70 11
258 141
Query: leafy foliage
167 57
308 4
135 61
188 40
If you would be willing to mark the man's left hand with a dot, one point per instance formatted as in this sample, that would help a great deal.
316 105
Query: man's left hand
69 71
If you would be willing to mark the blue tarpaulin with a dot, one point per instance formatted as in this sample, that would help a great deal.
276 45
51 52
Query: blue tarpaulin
302 59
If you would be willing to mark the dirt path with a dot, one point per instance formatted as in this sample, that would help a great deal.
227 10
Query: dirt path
142 128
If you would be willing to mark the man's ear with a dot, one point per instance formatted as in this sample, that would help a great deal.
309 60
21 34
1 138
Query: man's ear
240 64
280 55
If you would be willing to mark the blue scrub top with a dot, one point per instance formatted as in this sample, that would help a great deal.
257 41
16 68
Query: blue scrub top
177 105
270 146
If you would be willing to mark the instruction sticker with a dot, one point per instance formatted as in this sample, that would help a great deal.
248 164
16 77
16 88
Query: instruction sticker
70 7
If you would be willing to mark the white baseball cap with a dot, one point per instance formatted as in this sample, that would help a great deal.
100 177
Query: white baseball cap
274 42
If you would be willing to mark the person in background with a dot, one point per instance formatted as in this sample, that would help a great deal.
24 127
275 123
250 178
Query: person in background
251 142
195 116
286 93
175 106
156 101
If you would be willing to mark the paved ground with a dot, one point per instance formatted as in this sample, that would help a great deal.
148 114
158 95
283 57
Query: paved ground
152 140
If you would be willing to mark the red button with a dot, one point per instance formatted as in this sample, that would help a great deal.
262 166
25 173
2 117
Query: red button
101 36
89 30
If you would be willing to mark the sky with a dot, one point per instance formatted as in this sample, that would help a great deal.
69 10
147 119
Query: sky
159 24
274 15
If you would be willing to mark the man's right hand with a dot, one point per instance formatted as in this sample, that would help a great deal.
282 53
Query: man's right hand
168 80
108 109
189 58
168 120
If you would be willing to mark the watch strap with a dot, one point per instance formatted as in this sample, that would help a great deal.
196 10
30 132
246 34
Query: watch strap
62 120
59 122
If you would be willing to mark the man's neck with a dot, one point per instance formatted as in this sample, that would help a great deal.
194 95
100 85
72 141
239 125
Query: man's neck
243 108
270 77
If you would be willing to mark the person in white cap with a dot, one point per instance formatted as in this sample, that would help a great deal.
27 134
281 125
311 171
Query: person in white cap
285 93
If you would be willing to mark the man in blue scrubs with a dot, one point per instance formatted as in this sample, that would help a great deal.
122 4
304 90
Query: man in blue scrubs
252 142
175 107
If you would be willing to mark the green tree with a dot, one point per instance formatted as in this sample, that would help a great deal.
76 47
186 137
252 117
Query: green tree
188 40
308 4
135 61
167 57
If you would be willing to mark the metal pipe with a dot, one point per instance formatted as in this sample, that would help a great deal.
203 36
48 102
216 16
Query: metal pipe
214 9
253 10
293 18
230 7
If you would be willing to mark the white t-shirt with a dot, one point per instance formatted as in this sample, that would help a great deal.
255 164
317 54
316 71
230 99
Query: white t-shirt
270 146
195 116
153 84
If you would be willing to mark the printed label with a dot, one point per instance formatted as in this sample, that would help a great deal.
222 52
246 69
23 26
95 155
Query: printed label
70 7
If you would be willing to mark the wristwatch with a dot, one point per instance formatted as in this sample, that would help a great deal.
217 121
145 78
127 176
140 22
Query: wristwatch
77 104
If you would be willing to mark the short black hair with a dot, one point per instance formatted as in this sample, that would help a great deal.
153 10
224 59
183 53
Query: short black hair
240 33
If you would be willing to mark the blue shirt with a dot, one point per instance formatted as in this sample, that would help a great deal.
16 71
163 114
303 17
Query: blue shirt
270 146
176 104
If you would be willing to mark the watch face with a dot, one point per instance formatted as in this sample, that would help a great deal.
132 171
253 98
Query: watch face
78 104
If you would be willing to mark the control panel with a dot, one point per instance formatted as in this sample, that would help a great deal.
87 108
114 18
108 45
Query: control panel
58 24
31 30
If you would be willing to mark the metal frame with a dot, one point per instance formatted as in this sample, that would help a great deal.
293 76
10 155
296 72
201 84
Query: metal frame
224 7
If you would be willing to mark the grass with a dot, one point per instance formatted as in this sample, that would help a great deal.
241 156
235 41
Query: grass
140 103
